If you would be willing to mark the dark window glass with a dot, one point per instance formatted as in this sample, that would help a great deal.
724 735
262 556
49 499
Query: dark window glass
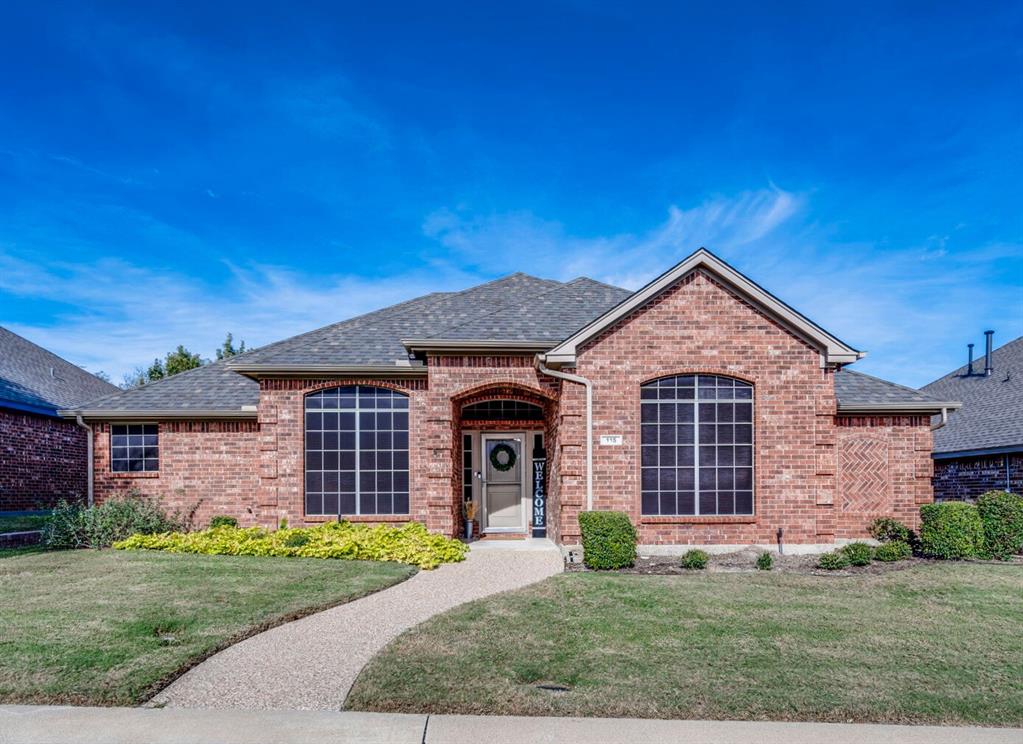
134 448
696 446
502 410
467 467
356 451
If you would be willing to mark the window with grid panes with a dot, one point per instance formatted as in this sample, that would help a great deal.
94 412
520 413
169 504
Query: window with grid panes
356 451
696 446
134 448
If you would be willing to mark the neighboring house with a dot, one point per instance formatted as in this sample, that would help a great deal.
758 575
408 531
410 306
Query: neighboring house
981 446
43 457
716 415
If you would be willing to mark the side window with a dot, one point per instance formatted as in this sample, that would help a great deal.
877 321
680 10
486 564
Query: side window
134 448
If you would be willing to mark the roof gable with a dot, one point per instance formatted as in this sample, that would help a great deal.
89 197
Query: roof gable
834 351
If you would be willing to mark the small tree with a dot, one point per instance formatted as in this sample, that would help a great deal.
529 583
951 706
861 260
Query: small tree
181 360
227 349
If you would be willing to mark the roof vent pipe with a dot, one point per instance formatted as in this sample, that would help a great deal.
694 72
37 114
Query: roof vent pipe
988 364
969 367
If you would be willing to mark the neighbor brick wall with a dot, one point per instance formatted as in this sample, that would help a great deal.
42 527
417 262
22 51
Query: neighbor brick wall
42 460
968 477
699 326
211 467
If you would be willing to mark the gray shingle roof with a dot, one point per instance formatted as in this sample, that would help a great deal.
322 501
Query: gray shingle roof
212 387
992 412
490 311
856 389
33 378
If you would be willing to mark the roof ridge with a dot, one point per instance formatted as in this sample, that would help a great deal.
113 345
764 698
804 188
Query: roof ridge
64 362
597 281
502 306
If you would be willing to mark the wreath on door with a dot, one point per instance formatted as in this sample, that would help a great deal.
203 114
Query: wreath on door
502 457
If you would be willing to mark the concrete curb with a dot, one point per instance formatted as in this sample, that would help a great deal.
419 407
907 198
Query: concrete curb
27 724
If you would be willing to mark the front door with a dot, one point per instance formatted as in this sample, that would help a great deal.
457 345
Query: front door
503 469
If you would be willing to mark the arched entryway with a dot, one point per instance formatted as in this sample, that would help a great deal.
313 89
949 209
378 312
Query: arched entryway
503 435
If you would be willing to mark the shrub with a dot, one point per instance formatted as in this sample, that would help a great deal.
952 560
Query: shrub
833 561
609 539
1001 514
765 562
858 553
893 550
694 559
74 526
951 530
223 521
884 530
409 543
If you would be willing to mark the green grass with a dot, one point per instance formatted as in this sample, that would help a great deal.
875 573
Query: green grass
23 523
111 627
933 644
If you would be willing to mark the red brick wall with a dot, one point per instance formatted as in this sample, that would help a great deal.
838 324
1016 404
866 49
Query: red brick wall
968 477
42 460
210 466
882 469
699 326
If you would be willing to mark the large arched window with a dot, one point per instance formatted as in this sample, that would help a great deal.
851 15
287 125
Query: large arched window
697 446
356 451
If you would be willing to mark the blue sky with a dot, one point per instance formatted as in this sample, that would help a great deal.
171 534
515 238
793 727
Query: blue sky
169 173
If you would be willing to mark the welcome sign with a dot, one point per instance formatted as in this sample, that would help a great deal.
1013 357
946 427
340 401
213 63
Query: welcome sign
539 493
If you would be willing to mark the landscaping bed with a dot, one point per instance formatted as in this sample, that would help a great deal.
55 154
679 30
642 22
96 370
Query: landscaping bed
931 643
744 561
104 627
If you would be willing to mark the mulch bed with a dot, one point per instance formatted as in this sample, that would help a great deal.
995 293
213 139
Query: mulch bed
744 561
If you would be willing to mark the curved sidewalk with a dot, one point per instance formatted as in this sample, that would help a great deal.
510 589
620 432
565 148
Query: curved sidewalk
311 664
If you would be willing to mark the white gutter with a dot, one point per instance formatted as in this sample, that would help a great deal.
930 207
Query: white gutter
589 422
944 419
88 439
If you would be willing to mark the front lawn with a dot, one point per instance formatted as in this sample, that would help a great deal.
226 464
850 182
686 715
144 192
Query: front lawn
110 627
931 644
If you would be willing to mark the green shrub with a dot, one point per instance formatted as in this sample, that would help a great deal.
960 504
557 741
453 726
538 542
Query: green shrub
408 543
765 562
75 526
951 530
833 561
893 550
694 559
609 539
1001 514
884 529
858 553
223 521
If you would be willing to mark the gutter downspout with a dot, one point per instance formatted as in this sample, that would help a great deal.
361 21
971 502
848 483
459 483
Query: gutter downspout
944 420
589 422
88 439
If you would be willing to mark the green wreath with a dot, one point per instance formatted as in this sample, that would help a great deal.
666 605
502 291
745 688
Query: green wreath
509 461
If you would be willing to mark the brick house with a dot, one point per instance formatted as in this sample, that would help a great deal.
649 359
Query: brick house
702 405
981 447
43 457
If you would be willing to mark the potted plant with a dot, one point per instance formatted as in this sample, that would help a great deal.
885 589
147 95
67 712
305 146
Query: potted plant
469 513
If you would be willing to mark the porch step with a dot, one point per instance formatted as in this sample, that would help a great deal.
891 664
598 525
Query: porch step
505 536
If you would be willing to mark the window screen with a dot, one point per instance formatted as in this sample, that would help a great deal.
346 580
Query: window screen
356 451
697 446
134 448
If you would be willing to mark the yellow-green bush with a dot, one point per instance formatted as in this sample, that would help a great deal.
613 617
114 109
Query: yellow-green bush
409 543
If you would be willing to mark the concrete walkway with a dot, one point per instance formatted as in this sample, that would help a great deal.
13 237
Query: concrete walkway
311 664
24 724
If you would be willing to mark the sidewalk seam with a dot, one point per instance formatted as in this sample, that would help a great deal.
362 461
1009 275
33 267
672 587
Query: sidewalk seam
426 727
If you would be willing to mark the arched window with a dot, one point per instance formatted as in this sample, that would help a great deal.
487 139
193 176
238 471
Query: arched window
356 451
502 410
696 446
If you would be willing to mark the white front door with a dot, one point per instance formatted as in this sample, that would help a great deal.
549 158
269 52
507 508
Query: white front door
504 508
